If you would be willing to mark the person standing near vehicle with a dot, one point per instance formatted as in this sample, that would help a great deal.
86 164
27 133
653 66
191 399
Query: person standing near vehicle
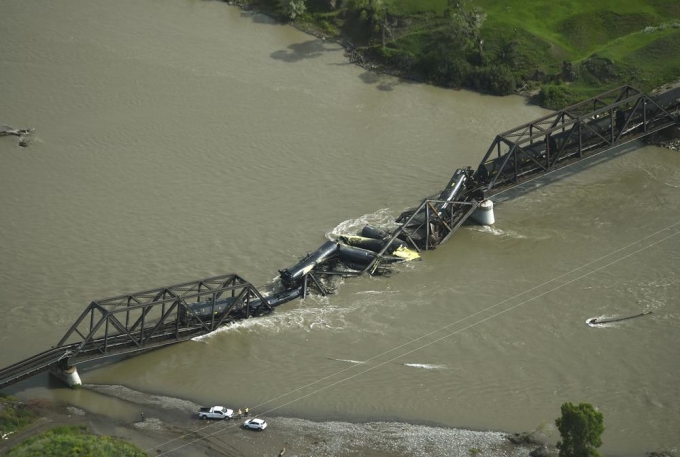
239 413
246 411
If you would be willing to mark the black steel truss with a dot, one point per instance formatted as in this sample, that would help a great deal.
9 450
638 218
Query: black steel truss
425 228
157 317
145 320
615 117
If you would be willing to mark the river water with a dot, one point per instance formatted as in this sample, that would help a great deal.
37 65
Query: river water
178 140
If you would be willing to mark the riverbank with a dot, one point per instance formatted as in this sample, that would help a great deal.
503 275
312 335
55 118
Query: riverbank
170 427
560 56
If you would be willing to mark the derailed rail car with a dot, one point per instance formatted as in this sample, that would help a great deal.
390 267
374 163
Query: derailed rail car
428 225
206 309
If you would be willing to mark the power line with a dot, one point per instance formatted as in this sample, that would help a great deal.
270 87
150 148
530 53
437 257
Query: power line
441 329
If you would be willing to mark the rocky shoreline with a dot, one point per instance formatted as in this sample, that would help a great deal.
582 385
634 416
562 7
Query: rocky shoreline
169 426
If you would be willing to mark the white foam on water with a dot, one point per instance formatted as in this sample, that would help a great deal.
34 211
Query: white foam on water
426 366
668 177
375 292
602 324
497 232
319 314
357 362
382 218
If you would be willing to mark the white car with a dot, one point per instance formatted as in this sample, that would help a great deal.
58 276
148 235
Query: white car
255 424
215 412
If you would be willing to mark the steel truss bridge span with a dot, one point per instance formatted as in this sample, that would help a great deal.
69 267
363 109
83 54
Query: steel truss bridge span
578 132
147 320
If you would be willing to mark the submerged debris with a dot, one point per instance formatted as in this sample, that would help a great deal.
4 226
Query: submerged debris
605 320
7 130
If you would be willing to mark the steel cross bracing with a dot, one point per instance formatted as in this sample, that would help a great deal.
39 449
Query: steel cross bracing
160 316
146 320
613 118
425 227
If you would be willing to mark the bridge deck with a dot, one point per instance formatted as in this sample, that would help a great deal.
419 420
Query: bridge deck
146 320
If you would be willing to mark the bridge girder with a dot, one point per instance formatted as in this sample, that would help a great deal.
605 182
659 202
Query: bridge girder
156 317
615 117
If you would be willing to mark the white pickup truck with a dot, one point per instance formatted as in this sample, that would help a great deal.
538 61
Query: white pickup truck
215 412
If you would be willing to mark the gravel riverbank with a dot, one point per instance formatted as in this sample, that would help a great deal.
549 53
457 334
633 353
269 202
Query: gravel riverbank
170 427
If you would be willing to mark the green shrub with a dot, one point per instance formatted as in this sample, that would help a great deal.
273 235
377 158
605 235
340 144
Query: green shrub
494 79
554 96
581 429
293 8
73 441
15 415
444 69
401 60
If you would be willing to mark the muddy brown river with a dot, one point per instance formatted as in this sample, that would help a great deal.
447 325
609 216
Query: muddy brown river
182 139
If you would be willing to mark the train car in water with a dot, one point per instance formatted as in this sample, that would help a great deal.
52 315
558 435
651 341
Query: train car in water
292 277
453 190
205 309
447 206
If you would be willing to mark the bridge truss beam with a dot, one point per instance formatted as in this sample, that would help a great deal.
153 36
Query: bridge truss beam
613 118
425 227
157 317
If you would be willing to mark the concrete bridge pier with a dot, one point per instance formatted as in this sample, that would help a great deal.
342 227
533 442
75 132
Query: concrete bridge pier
67 374
483 215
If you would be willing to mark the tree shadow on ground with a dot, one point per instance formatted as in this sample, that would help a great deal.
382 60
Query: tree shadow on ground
382 81
306 50
316 47
259 17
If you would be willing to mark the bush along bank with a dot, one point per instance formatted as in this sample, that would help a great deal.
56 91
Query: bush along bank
74 440
562 53
15 415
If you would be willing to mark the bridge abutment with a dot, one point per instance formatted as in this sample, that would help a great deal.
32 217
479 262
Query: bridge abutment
68 375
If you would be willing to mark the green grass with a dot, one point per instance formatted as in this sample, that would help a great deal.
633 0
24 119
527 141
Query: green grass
15 415
74 441
406 7
527 43
658 60
582 27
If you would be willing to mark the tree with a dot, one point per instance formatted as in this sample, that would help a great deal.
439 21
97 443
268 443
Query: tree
293 8
581 428
467 21
373 13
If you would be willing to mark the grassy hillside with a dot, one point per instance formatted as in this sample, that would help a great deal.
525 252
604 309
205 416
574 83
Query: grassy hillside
572 48
609 42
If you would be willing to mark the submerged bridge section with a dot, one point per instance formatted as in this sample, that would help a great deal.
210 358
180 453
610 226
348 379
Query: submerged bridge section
148 320
158 317
529 151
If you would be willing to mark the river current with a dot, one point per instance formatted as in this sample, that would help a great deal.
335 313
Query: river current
181 139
